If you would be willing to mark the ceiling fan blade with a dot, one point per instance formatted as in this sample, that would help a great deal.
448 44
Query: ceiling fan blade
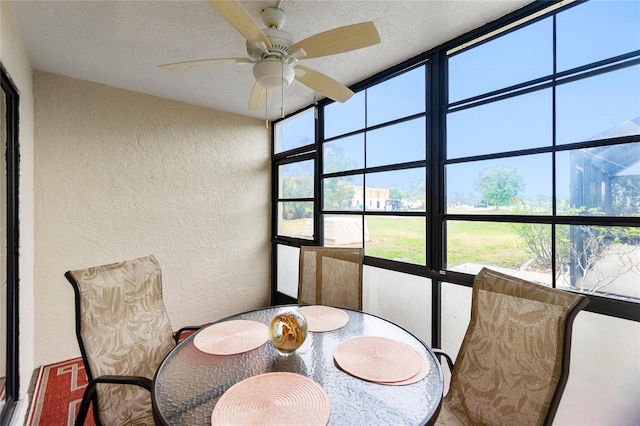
203 63
339 40
323 84
259 97
240 19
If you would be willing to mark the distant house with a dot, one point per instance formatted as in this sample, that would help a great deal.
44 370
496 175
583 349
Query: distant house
375 197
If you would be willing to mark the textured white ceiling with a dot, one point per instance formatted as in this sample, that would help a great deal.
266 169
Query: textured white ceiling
121 43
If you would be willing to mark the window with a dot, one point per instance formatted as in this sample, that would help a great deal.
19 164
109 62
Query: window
567 218
489 128
374 173
294 176
502 62
294 132
296 199
516 146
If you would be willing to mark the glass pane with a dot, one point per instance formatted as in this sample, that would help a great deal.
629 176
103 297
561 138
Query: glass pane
295 219
342 193
516 123
295 131
600 107
597 30
455 317
398 190
296 180
519 56
344 154
396 144
515 248
601 180
515 185
601 260
344 230
344 118
405 92
287 276
397 238
407 302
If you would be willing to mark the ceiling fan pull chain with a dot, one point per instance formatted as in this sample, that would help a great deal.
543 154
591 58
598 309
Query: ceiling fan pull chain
315 104
282 93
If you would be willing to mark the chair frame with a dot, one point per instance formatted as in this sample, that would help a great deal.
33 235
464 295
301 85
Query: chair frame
566 355
90 395
317 250
554 403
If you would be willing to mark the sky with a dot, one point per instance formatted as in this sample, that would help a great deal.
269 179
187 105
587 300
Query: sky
587 33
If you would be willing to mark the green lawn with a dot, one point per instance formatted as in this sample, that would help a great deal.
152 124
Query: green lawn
294 228
487 243
397 238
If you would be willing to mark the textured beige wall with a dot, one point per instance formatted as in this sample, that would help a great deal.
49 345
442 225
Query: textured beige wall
15 60
120 175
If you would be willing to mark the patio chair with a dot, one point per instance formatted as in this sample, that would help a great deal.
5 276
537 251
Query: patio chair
513 364
330 276
124 334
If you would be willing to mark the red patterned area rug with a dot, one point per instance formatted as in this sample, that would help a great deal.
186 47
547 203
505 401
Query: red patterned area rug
57 394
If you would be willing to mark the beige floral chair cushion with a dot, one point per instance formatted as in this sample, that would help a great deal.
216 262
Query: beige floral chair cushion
330 276
123 330
514 360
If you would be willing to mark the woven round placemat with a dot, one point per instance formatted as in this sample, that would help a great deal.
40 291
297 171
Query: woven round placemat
377 359
231 337
273 399
324 318
425 367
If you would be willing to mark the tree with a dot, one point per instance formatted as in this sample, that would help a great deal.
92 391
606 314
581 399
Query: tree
338 193
588 257
335 160
397 193
419 194
499 185
599 255
297 186
625 195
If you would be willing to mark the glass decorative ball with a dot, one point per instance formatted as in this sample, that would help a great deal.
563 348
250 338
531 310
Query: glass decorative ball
288 330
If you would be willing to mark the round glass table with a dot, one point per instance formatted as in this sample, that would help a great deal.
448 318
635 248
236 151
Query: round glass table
189 382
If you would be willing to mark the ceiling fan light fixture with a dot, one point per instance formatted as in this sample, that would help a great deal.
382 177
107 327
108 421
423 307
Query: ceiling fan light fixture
273 73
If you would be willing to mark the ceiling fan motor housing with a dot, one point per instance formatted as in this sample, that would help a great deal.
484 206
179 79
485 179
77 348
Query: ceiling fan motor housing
280 41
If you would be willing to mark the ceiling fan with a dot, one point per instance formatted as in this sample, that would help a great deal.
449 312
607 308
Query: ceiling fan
275 55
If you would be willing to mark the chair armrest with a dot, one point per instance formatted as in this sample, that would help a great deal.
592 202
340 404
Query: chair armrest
143 382
177 334
440 353
90 392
